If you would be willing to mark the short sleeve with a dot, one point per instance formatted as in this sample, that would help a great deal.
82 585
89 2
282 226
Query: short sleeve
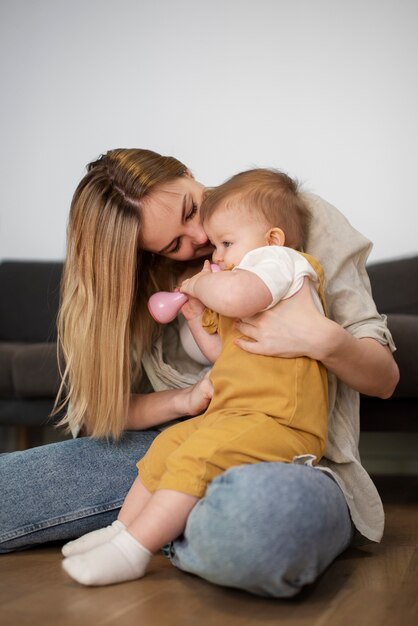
280 268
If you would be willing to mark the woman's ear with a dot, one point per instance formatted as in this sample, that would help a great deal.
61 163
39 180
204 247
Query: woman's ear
189 174
275 237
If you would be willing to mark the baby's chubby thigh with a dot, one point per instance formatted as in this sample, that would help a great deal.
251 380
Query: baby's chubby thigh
223 440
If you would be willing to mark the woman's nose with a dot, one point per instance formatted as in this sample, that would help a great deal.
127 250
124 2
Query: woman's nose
198 235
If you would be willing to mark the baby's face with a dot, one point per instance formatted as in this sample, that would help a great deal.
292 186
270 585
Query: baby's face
234 233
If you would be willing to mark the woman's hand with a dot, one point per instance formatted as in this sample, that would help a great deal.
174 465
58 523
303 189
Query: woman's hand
295 327
292 328
198 396
192 308
151 409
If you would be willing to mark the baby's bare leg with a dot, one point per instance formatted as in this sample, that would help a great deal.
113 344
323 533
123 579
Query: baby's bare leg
136 499
163 519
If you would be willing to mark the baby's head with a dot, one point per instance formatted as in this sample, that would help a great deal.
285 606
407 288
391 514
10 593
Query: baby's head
256 208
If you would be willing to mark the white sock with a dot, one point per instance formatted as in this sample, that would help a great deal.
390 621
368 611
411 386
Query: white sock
120 559
93 539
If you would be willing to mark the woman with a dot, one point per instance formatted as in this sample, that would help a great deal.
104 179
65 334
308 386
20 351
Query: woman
134 228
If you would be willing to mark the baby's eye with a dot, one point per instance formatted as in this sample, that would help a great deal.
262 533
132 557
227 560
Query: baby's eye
226 244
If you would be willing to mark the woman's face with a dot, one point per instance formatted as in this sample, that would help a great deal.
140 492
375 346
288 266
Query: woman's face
171 221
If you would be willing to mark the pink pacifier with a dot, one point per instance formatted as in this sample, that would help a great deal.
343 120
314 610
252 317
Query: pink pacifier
164 305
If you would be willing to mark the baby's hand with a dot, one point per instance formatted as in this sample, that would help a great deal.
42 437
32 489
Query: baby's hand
188 285
192 308
199 396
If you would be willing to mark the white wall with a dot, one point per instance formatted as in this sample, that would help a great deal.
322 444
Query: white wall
324 89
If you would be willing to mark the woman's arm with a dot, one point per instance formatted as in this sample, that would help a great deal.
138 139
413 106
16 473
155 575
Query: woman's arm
363 364
294 328
151 409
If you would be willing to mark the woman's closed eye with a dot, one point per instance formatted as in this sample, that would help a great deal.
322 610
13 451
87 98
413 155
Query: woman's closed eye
176 247
191 214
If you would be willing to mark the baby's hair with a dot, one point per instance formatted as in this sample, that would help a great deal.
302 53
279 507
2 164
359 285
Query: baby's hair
269 191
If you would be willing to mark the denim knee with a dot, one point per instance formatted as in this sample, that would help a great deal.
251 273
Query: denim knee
62 490
268 528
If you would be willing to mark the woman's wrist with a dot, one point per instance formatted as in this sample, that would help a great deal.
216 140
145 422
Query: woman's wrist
194 400
181 402
328 341
158 407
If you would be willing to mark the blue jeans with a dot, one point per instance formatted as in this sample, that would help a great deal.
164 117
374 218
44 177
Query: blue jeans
269 528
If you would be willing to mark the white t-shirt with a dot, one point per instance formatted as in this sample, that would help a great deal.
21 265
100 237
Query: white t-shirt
282 270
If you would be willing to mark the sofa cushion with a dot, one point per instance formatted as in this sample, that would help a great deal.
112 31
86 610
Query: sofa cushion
7 352
29 300
395 285
28 370
404 329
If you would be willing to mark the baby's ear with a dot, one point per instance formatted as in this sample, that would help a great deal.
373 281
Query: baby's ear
275 237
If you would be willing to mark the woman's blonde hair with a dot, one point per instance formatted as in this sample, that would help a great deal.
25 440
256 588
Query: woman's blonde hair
103 319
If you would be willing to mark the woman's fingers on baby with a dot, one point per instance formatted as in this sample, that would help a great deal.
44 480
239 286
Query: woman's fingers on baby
252 336
206 387
245 328
248 346
200 395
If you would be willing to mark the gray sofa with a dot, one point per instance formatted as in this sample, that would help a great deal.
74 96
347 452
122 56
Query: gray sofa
29 296
29 378
395 290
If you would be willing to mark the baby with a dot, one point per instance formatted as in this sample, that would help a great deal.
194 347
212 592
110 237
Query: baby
263 408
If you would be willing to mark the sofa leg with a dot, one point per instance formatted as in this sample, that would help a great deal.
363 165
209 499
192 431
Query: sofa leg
22 438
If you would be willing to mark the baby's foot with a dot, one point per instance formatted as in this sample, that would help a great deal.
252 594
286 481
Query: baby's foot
93 539
120 559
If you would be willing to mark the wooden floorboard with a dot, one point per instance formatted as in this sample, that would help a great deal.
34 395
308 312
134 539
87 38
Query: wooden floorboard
375 585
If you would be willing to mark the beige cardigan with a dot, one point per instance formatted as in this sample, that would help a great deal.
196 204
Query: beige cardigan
343 252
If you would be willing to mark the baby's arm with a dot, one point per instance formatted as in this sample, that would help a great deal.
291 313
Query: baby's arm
235 294
209 344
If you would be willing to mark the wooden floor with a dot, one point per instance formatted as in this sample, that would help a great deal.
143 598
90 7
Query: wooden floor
376 585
